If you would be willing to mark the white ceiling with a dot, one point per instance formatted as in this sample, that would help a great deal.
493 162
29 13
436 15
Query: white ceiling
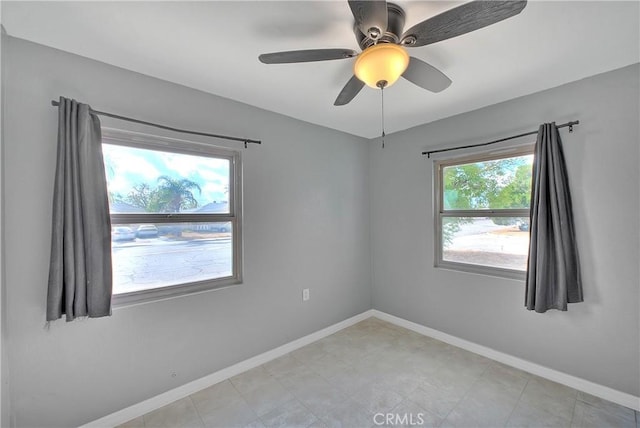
213 46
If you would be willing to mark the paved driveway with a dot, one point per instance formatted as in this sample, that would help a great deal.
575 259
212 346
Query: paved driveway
150 263
483 242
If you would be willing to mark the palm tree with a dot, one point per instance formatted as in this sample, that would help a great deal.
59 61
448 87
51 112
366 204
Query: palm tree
176 194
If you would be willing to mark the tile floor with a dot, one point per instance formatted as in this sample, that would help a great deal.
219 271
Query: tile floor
374 367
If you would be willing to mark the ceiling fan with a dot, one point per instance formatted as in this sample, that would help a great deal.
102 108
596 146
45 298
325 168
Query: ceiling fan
378 28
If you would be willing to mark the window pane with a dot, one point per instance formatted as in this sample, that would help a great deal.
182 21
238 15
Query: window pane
488 241
493 184
147 256
141 180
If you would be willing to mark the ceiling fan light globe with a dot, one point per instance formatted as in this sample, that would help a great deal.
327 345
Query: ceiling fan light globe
381 62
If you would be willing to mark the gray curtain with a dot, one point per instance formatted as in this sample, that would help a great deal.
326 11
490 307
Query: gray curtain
553 272
80 269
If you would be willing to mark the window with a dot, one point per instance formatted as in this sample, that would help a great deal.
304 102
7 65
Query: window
175 215
482 213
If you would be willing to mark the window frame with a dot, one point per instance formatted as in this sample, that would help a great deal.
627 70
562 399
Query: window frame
439 213
234 216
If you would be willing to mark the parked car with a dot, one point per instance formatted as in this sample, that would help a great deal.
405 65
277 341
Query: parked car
122 234
224 227
523 225
147 231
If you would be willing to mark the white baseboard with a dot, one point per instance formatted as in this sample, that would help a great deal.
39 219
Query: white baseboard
580 384
168 397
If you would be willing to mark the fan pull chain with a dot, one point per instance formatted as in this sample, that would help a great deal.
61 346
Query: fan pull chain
383 133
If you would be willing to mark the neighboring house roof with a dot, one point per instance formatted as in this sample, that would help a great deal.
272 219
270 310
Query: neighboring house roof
213 207
123 207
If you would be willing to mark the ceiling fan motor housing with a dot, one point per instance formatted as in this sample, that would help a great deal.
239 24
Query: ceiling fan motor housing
395 25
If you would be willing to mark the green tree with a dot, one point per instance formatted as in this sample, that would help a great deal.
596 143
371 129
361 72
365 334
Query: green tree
463 189
173 195
140 196
503 183
476 185
467 186
517 193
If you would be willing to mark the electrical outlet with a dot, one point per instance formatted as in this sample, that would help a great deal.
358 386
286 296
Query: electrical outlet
305 294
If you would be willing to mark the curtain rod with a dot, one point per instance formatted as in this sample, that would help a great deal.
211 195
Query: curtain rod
430 152
184 131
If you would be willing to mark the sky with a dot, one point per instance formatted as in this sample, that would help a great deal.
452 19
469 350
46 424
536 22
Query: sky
128 166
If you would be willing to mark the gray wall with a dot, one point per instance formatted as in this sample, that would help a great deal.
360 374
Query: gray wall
4 341
308 196
596 340
305 226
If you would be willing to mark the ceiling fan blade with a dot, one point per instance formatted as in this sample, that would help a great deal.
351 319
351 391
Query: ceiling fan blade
461 20
370 15
426 76
350 90
306 56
